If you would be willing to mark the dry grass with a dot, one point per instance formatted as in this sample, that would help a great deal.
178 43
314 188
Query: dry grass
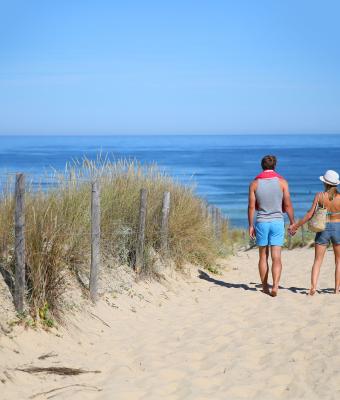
58 226
56 370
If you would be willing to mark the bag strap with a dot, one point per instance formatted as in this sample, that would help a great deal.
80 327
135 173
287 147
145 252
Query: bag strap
323 200
317 203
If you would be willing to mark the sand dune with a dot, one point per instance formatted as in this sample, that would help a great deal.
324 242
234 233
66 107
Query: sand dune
214 337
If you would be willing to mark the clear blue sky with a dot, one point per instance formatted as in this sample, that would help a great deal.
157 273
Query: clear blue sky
179 66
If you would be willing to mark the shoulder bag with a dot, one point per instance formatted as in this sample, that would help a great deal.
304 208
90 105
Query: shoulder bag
319 219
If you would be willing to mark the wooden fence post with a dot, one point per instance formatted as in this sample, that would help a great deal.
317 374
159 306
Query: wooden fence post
19 252
213 219
224 228
211 215
141 231
244 239
95 241
165 221
205 209
303 235
218 223
289 239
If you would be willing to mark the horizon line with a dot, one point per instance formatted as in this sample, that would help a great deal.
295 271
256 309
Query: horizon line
170 134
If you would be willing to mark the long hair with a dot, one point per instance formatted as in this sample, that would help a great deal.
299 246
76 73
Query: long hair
331 190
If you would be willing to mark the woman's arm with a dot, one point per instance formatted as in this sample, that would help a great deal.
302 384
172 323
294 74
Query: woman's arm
309 213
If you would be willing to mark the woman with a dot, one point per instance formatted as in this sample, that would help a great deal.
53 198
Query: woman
330 199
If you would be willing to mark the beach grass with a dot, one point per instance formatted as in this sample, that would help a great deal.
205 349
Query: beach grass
58 226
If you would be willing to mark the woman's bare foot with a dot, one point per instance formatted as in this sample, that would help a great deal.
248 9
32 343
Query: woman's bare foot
312 292
337 291
274 292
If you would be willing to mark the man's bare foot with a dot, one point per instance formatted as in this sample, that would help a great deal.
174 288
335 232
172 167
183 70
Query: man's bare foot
337 291
274 292
265 288
312 292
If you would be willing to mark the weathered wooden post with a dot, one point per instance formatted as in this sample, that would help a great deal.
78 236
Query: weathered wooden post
95 241
289 239
217 223
244 238
213 219
205 209
19 251
210 212
165 222
224 228
303 235
209 216
4 249
141 231
220 226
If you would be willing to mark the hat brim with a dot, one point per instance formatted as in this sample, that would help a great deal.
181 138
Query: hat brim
328 182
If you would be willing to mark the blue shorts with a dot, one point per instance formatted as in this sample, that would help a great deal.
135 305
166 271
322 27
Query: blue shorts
271 233
330 234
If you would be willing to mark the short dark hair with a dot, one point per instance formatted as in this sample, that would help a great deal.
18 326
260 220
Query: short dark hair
268 162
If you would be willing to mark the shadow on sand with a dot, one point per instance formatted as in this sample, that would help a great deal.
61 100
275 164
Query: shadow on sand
203 275
257 287
8 279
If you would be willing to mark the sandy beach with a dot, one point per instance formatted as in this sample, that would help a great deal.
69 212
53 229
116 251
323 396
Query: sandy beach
203 337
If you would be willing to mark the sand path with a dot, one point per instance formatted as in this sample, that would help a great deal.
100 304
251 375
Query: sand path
213 338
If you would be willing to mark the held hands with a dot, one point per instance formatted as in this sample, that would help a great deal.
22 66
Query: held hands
292 229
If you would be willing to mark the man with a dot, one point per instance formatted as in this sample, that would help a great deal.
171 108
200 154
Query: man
269 195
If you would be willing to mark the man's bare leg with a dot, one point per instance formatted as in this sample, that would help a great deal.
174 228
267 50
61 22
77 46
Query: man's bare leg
320 251
264 267
276 268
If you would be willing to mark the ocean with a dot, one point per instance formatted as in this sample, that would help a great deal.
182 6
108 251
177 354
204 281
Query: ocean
219 166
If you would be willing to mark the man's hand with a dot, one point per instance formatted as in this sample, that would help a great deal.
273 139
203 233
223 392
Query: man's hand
252 233
292 229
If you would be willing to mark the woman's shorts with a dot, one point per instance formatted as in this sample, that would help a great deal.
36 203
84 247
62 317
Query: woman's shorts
271 233
330 234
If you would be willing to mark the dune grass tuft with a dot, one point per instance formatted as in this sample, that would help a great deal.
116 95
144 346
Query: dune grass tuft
58 225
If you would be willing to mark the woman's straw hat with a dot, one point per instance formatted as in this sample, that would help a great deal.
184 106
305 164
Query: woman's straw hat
330 177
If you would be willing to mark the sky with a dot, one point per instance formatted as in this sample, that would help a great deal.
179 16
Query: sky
162 67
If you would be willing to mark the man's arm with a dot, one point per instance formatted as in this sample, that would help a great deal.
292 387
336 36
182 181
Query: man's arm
287 203
251 208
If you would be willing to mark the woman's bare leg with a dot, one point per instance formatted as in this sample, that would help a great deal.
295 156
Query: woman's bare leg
336 248
264 267
276 268
320 251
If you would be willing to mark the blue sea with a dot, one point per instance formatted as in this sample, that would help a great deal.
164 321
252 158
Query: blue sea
220 167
